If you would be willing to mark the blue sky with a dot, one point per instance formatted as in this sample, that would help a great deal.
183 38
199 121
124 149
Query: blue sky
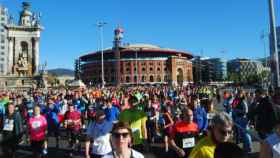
199 26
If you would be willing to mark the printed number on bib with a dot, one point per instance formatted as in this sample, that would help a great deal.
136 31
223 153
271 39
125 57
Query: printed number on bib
188 142
135 130
36 124
210 116
9 125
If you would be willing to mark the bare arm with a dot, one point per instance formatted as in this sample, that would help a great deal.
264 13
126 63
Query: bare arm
170 120
177 149
265 151
87 145
144 130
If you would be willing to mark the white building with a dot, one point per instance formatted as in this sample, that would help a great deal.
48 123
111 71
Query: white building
3 40
23 44
21 56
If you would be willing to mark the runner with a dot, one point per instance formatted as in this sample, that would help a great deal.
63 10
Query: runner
270 147
240 112
167 128
111 111
12 130
184 135
199 115
122 142
220 132
151 122
137 121
98 134
37 126
73 125
53 123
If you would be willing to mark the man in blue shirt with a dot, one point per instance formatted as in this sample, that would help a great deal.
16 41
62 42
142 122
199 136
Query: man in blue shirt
112 112
200 115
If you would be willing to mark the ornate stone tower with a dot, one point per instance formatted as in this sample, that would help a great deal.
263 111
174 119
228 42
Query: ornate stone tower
23 44
117 44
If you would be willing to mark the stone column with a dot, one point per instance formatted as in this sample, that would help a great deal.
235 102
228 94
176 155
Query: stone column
173 73
36 55
10 55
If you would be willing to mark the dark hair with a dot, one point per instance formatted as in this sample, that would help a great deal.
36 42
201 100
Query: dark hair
185 112
164 109
229 150
70 104
123 125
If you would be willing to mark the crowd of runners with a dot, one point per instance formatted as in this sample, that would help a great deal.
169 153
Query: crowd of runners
127 122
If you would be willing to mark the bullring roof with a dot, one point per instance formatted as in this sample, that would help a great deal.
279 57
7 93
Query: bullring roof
141 47
146 46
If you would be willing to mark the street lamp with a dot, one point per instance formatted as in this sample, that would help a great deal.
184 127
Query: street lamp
263 36
136 65
274 63
100 25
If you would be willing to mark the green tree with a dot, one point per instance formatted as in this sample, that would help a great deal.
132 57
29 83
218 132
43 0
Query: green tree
234 77
253 79
52 80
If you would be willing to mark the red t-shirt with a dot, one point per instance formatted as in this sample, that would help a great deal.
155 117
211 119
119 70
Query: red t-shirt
183 127
71 119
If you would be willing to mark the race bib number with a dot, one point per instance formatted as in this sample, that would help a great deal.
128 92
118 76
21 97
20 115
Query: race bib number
135 130
30 111
36 125
188 142
9 125
210 116
70 122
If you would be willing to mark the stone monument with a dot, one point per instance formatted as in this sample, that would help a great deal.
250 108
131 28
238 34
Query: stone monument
23 49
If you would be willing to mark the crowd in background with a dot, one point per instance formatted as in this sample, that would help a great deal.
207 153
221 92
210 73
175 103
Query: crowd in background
127 122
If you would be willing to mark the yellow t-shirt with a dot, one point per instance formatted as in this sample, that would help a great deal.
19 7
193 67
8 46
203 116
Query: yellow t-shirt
136 119
204 149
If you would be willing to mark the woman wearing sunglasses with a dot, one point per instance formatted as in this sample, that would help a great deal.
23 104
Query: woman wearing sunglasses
121 141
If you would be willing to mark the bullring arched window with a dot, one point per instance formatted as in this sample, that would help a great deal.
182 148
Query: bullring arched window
127 79
127 69
143 79
165 78
158 79
151 78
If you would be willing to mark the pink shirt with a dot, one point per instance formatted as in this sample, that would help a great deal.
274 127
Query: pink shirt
37 127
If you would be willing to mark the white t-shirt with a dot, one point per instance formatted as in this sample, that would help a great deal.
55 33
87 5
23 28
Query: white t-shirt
135 154
100 133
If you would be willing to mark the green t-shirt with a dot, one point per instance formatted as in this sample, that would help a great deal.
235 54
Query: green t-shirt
4 102
136 119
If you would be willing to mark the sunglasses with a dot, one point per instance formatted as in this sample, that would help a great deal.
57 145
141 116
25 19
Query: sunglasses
225 132
118 135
